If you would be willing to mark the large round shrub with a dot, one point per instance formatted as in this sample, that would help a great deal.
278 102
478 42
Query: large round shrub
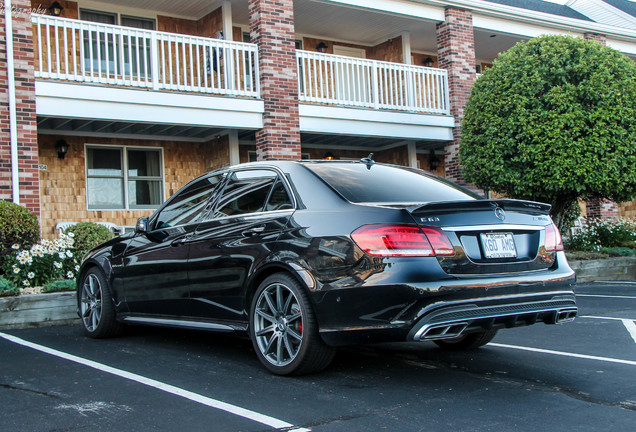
554 120
17 226
87 235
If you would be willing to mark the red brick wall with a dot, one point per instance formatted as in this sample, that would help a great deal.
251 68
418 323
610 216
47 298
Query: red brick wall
604 209
25 110
597 37
272 28
456 54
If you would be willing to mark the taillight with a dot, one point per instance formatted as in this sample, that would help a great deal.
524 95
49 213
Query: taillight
553 241
402 240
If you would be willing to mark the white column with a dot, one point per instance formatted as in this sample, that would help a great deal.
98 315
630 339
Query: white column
226 11
412 153
13 126
406 48
234 147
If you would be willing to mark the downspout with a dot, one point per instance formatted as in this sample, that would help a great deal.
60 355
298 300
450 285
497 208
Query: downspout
15 172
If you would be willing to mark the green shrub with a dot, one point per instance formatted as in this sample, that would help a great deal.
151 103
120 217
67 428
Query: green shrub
619 251
17 226
585 255
597 234
8 288
60 285
87 235
554 120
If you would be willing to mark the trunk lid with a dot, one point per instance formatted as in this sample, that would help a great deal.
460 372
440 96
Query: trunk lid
490 236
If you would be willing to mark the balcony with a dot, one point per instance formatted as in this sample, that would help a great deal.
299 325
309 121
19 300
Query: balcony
122 81
87 52
112 76
353 82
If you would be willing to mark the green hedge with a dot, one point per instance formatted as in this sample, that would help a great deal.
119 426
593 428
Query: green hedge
17 226
87 235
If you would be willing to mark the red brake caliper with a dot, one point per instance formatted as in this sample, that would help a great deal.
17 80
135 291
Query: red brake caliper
300 324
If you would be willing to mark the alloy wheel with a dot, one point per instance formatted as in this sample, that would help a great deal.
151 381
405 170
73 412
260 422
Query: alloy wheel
91 302
278 324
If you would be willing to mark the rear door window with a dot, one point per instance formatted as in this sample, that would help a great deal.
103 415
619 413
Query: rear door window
246 192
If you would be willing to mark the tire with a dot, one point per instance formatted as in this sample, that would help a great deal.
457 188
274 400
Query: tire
97 311
284 330
468 342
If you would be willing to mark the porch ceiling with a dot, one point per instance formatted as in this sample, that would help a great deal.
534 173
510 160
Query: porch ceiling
347 142
119 129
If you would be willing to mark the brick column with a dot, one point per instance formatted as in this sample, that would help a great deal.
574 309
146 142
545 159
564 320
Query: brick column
602 209
25 110
597 37
272 28
456 54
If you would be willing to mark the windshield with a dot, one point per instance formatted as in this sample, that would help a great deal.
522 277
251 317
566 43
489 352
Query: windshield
388 184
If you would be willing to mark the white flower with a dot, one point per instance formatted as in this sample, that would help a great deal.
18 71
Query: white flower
24 257
77 268
15 246
26 283
37 250
62 255
71 235
69 254
30 275
57 264
70 275
16 270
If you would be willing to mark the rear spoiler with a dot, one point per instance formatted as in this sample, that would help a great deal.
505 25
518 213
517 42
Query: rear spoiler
513 205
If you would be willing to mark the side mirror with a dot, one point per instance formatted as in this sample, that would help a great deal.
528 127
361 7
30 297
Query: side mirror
142 225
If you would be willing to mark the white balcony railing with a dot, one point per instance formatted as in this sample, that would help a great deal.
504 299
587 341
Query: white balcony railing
83 51
347 81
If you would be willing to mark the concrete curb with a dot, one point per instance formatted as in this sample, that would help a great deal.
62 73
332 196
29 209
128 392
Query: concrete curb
609 269
38 310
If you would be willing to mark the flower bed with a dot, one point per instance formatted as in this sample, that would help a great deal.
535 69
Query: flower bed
47 264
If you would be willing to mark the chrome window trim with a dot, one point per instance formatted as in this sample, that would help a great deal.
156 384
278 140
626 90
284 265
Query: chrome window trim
502 227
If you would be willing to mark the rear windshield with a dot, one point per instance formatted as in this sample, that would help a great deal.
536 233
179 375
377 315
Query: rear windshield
387 184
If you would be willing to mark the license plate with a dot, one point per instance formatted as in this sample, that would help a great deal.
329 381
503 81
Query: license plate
498 245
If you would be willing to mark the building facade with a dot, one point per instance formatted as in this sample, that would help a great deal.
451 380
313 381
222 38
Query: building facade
111 106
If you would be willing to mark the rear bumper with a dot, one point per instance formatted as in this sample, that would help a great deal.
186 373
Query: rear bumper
444 309
455 319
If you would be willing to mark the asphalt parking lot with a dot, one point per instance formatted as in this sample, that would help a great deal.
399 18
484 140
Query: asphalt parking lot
579 376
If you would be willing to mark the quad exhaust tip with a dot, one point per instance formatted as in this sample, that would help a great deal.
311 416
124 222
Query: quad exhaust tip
565 315
443 331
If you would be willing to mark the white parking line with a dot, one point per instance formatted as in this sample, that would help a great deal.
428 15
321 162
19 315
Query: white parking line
606 296
628 323
600 317
213 403
565 354
615 282
631 328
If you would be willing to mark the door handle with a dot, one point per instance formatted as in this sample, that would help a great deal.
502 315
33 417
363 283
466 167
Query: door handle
253 231
179 242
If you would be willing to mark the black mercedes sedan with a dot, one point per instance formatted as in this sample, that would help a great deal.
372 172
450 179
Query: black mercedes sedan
307 256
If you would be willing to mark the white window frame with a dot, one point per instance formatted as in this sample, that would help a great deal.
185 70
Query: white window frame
124 149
